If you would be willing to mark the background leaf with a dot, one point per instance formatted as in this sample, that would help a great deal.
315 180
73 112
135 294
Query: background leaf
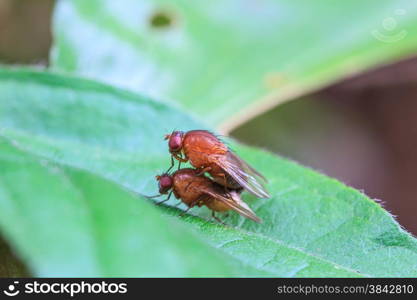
10 265
227 61
313 225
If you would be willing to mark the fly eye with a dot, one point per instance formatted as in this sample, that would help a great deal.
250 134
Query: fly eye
165 183
175 142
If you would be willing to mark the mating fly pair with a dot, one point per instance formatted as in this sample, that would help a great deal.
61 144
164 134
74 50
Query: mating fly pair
228 174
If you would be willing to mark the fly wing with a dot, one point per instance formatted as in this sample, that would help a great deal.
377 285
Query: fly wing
244 174
234 202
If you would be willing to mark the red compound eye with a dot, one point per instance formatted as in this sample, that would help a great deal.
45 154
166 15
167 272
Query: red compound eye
175 141
165 183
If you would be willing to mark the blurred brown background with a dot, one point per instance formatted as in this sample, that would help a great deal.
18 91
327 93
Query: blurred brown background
362 131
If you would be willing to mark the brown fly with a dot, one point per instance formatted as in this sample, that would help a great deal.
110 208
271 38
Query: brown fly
209 154
194 189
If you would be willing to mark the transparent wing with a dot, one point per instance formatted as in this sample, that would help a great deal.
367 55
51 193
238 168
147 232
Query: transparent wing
244 174
234 202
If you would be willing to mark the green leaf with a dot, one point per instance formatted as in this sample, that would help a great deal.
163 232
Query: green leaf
227 61
313 225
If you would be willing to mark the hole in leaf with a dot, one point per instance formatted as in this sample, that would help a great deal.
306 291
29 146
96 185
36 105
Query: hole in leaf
162 20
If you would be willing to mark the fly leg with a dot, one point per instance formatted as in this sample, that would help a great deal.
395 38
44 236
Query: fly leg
160 202
213 215
179 158
185 211
197 201
203 170
226 189
181 161
191 205
172 165
151 197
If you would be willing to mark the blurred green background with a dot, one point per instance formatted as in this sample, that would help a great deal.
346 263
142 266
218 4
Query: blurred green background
362 130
